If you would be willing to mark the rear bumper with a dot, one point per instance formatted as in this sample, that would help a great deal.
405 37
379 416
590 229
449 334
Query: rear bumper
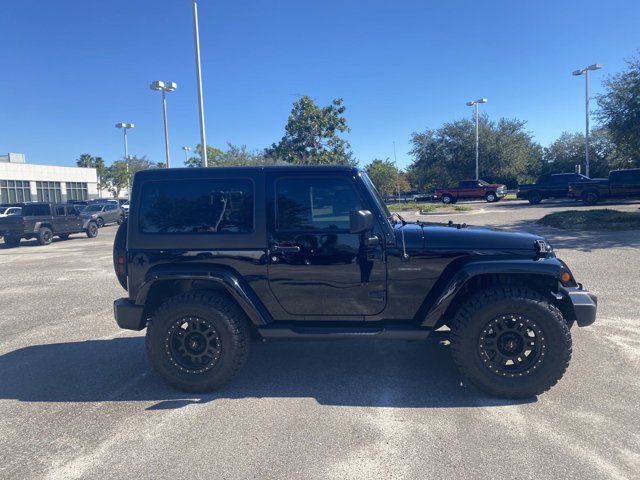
129 315
584 303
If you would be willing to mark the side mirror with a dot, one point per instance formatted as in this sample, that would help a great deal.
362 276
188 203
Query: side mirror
360 221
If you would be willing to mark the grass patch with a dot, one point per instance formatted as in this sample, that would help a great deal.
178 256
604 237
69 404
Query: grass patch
607 219
424 207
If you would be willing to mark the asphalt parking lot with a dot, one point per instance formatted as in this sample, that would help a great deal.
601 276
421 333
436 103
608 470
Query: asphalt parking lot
78 399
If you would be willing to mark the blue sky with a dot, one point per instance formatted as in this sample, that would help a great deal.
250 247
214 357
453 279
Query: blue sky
72 69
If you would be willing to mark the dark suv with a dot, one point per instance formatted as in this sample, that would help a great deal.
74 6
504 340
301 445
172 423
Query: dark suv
212 257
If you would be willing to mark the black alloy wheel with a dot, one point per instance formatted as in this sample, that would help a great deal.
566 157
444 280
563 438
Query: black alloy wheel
193 344
100 222
511 345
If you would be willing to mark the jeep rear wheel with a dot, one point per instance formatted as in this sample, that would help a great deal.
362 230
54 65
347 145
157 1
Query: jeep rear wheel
198 341
11 242
510 342
44 236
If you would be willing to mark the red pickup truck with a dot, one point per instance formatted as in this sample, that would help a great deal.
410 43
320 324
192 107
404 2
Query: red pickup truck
470 189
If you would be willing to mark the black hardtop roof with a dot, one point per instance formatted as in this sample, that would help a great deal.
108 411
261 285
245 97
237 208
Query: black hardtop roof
190 172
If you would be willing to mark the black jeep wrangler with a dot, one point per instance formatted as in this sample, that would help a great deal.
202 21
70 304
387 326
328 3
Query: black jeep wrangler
213 257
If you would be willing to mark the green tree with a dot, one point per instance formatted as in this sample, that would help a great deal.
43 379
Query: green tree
312 135
619 112
213 157
119 175
443 156
89 161
565 153
234 156
384 175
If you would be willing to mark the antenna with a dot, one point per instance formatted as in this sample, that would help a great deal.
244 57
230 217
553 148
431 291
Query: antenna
395 162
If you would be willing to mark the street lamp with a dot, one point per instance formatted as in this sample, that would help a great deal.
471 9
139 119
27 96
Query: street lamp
164 87
585 71
196 38
125 127
186 154
472 104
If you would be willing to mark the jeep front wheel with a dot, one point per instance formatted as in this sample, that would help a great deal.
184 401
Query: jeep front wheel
510 342
198 341
92 230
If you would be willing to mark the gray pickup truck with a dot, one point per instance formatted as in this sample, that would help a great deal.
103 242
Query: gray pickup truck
43 221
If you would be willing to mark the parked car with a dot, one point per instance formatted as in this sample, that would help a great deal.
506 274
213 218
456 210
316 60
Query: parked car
125 208
103 213
620 184
7 211
471 189
43 221
210 257
549 186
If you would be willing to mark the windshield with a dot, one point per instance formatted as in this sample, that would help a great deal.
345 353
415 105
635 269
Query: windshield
483 183
92 208
376 195
3 210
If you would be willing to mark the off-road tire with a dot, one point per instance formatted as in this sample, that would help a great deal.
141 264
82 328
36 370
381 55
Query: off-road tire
534 198
590 198
447 199
232 327
475 315
491 197
44 236
100 222
11 242
92 230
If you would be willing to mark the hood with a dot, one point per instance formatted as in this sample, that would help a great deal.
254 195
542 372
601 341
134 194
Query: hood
465 238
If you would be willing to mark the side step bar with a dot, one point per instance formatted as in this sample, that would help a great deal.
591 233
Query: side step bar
297 332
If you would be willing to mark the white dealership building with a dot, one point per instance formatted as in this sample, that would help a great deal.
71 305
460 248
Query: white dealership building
25 182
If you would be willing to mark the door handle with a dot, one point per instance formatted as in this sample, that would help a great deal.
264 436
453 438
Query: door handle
287 249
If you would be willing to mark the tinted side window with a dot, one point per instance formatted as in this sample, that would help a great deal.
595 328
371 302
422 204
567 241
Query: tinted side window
36 210
197 206
60 210
315 204
110 207
468 184
73 211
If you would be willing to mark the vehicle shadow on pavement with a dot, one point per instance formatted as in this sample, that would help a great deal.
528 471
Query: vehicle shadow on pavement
348 373
581 240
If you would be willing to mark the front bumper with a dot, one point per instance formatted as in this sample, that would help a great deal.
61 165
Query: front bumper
583 302
129 315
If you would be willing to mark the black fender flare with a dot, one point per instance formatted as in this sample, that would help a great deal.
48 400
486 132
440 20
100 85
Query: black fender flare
450 284
230 281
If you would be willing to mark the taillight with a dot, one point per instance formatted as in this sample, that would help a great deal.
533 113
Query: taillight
120 264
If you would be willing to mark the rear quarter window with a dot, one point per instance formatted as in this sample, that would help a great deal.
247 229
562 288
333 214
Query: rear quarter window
36 210
207 207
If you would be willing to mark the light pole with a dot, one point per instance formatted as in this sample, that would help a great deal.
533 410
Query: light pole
585 71
196 38
125 127
165 87
186 154
474 103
